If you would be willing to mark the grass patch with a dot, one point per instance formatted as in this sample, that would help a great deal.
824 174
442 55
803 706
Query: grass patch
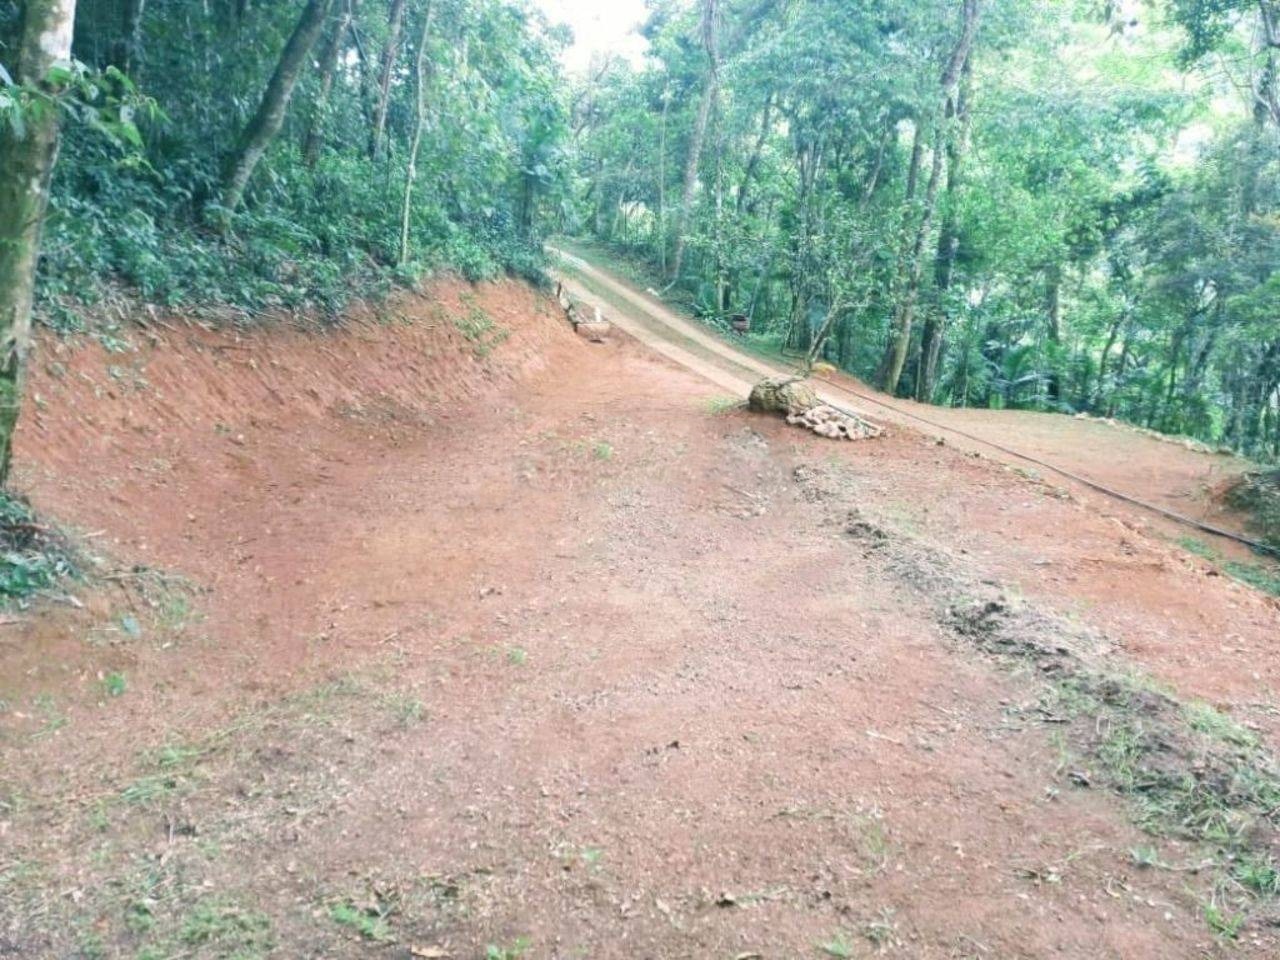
720 405
838 947
33 556
229 930
114 685
369 922
480 330
1185 770
1260 576
512 951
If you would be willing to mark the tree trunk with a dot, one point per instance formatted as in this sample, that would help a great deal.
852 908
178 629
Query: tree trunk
328 67
749 174
948 245
129 46
1053 313
660 223
395 21
269 117
420 120
895 357
710 15
44 39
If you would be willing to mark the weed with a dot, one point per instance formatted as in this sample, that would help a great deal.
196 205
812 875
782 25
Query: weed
1259 576
32 556
516 656
882 932
408 710
114 685
1258 874
1199 548
174 755
243 934
719 405
602 450
1225 925
147 790
53 718
1146 858
838 947
92 947
1266 579
1213 723
370 923
518 948
481 331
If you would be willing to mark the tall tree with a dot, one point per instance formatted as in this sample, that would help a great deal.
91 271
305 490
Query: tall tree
328 67
912 267
28 152
390 53
419 122
269 117
948 240
710 87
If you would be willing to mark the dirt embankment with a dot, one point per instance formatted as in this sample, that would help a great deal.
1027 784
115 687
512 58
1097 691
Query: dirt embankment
207 462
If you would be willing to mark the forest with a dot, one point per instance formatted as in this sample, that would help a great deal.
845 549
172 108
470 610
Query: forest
1066 206
1069 206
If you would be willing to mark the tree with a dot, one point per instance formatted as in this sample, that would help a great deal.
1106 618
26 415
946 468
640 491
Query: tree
390 51
420 119
28 151
328 67
269 117
912 266
711 83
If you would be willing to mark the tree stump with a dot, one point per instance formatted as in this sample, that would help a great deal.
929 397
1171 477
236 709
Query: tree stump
782 395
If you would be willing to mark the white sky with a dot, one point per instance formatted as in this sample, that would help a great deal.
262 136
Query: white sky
599 26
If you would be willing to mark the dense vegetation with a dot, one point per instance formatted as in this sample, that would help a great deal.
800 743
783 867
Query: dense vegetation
158 187
1069 206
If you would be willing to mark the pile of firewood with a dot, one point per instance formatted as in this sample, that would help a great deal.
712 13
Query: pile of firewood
827 421
588 322
797 400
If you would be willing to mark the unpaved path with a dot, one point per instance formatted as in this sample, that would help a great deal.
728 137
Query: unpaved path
1165 472
573 665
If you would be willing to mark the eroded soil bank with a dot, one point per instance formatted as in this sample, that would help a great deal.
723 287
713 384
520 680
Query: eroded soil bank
450 634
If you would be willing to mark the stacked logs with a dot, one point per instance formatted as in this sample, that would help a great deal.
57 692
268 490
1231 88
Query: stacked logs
827 421
797 400
587 322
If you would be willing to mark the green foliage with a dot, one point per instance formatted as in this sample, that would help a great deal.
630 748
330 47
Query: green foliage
32 557
228 929
134 201
1102 233
512 951
370 924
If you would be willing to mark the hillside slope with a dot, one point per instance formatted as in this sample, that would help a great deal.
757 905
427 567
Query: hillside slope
534 647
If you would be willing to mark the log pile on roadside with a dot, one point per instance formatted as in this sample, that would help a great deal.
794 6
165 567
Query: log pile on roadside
588 322
796 399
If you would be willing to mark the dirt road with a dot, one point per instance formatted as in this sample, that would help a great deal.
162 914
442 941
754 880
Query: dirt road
493 643
1165 472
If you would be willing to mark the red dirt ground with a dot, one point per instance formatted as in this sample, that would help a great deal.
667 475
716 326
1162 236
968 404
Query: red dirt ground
496 638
